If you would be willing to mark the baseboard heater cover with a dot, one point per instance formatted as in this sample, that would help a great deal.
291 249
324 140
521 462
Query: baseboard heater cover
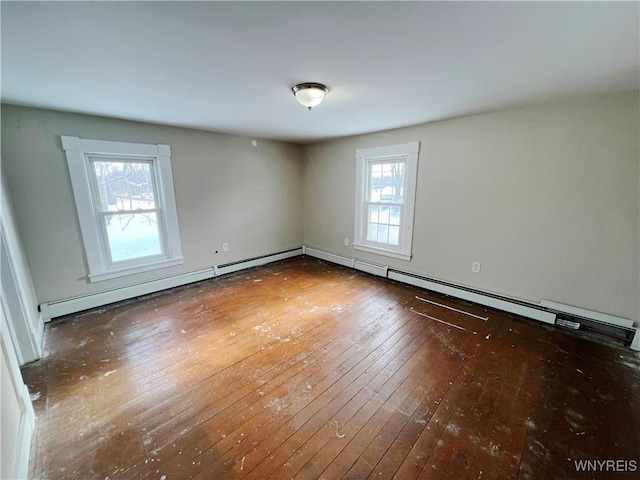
588 314
598 317
505 305
78 304
330 257
368 267
257 261
371 268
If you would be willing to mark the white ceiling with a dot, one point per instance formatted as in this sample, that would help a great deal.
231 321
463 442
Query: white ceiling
229 66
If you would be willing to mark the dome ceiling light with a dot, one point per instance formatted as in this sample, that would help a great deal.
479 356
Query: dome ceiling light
310 94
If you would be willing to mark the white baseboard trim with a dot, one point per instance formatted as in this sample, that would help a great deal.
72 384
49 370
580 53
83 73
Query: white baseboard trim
372 268
351 262
476 297
256 262
330 257
73 305
87 302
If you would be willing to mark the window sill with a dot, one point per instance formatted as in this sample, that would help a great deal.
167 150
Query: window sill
131 270
382 251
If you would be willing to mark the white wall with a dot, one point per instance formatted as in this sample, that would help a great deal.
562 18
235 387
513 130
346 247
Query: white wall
546 197
226 191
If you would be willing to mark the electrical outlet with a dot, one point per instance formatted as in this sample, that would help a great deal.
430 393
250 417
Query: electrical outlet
225 247
346 242
475 267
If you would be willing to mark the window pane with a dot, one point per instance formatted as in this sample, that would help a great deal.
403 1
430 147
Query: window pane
394 235
372 232
384 214
132 236
373 213
395 216
383 233
395 182
386 182
124 185
375 183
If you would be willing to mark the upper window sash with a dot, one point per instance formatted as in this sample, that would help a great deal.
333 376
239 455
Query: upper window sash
94 159
369 175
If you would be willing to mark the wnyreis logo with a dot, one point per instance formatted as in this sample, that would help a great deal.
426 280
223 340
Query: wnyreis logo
606 465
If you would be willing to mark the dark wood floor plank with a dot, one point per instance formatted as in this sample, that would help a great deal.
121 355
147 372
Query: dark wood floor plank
419 454
373 441
388 464
302 369
397 394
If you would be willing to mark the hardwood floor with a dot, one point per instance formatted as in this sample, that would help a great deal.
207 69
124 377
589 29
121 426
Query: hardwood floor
308 370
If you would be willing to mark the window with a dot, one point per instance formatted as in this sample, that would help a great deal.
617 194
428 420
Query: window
385 197
126 206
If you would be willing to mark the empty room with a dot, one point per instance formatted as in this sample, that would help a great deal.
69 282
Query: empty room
320 240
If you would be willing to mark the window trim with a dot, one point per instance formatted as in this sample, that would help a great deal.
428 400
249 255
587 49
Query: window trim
79 152
364 158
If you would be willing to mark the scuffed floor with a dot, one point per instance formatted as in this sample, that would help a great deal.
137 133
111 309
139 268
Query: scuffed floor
307 370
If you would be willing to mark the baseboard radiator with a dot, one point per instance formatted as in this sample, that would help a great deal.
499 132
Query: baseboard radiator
546 311
577 313
488 300
351 262
86 302
372 268
329 257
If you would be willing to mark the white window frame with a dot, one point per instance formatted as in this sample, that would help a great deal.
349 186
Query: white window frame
365 158
79 152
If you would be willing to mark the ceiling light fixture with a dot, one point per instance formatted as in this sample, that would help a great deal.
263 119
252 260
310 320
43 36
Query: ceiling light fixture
310 94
